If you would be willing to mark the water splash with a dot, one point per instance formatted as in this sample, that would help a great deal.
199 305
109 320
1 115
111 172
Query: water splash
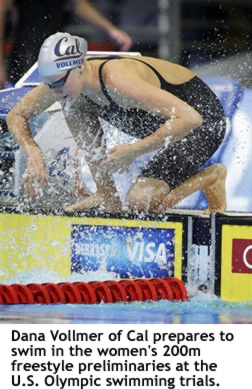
40 276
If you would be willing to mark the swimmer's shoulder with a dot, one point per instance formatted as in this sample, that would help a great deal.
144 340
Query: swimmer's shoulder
172 72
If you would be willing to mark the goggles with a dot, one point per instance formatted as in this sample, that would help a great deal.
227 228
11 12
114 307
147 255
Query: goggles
59 83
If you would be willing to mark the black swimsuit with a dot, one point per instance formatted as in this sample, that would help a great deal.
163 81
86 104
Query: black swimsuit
180 161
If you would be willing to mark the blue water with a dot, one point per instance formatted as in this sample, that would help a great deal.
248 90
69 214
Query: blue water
202 309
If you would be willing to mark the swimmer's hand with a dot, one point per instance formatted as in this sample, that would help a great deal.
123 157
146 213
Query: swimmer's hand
120 157
35 175
121 38
97 201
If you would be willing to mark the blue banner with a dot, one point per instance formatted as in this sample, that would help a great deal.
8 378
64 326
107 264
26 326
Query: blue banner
127 251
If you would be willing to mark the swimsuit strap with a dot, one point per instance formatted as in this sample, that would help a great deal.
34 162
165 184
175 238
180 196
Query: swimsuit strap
161 79
103 87
104 90
106 57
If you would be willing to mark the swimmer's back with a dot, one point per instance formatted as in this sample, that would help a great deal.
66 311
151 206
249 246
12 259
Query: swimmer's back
170 72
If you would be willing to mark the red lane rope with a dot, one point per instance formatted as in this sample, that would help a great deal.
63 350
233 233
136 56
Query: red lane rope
8 294
95 292
55 292
40 294
71 292
164 290
102 292
148 289
133 290
25 296
178 288
87 293
117 290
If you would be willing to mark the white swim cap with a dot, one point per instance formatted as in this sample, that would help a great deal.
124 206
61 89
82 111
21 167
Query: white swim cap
61 52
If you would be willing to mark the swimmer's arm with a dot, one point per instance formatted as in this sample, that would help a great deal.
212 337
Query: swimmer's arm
181 117
89 13
32 104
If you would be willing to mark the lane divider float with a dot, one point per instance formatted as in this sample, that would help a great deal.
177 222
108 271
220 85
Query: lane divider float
95 292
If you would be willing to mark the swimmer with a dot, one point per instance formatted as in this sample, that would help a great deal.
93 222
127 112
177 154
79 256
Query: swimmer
164 105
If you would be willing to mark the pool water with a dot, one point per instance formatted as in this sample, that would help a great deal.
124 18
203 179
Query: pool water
202 308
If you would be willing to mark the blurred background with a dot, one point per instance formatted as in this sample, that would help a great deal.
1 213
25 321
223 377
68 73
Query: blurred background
214 35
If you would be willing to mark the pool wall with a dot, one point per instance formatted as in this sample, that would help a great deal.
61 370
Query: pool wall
212 254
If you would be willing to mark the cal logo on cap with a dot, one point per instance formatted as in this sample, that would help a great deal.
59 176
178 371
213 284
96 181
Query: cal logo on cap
71 52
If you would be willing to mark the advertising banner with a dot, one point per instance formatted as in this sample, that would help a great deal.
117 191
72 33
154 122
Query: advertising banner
128 248
234 258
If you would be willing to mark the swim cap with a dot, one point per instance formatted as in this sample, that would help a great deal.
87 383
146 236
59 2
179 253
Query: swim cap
61 52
